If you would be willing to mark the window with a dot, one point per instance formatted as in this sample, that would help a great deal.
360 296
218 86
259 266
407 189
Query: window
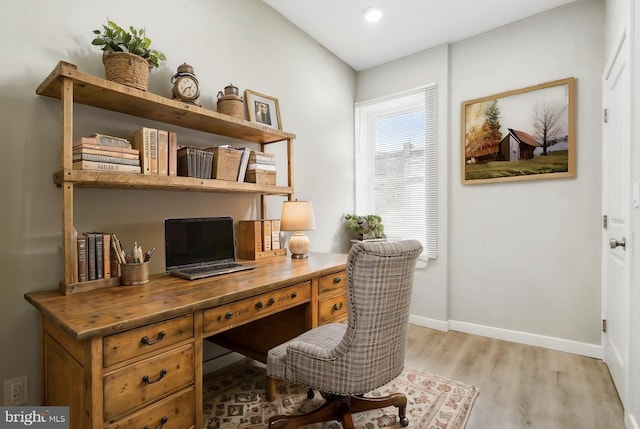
396 164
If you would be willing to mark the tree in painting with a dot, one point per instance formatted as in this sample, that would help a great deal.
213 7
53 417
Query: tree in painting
548 124
484 139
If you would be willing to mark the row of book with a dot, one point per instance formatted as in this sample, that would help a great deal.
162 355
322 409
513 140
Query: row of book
156 152
96 260
258 236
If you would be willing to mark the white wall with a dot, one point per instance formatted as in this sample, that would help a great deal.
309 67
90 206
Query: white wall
516 260
429 304
240 41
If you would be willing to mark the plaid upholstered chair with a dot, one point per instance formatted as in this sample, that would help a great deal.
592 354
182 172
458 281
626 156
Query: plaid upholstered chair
345 361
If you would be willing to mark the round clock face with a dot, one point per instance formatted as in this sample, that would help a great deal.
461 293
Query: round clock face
186 87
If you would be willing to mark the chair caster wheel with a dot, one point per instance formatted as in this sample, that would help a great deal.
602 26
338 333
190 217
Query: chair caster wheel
310 394
404 422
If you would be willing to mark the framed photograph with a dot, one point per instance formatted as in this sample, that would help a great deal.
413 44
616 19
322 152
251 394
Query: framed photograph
524 134
263 109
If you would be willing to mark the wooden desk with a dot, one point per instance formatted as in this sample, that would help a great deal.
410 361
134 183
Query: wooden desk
131 356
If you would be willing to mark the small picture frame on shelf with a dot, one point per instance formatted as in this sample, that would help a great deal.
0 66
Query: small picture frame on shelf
263 109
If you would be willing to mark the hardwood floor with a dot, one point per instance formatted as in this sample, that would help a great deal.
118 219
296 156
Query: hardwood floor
520 386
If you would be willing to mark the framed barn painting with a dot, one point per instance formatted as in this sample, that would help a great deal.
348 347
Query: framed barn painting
524 134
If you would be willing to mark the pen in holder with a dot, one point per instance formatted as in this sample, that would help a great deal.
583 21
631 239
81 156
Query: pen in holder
134 266
134 274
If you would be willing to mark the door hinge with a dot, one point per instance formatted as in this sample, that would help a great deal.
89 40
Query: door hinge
604 325
604 221
605 115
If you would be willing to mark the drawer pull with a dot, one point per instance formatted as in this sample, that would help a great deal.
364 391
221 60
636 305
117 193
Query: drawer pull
163 421
259 305
145 339
147 380
337 306
337 279
229 315
294 295
271 302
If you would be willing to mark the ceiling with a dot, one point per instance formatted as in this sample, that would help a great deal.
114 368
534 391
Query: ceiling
408 26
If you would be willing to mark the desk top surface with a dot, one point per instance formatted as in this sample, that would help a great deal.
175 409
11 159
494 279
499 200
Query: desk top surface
105 311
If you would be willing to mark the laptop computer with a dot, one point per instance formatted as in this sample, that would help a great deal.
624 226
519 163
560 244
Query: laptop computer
200 247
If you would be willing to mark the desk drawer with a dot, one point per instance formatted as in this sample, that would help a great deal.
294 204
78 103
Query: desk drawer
145 381
175 412
139 341
218 319
332 309
332 282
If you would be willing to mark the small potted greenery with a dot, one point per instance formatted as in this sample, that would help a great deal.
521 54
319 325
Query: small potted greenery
367 227
127 55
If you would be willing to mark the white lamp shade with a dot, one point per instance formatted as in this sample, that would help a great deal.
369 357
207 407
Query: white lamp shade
297 216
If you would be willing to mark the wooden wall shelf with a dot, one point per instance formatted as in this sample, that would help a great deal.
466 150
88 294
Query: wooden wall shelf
71 87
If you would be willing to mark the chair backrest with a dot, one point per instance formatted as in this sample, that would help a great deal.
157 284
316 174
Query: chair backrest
379 284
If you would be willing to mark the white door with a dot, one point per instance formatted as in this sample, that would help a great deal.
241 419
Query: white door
616 208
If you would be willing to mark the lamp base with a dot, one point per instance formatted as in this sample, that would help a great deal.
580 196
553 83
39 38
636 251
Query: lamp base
299 245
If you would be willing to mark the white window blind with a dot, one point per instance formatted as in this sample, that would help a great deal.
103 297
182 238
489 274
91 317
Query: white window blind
396 164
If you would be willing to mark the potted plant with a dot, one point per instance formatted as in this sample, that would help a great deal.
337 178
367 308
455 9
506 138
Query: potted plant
367 227
127 55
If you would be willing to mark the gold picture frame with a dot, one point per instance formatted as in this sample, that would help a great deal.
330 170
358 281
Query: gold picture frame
263 109
525 134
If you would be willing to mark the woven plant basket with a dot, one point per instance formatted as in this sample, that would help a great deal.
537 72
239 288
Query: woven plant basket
127 69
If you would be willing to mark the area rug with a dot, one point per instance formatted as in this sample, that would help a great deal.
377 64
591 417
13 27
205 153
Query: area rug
236 399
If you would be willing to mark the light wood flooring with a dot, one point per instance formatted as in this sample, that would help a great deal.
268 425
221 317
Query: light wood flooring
520 386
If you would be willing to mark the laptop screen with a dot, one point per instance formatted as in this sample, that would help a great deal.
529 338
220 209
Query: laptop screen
197 240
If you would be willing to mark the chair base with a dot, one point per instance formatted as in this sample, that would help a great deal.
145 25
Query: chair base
340 408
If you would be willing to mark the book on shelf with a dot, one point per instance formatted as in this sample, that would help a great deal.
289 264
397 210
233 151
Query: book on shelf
173 154
261 167
105 166
262 158
106 255
141 140
266 235
153 151
91 255
105 140
244 162
275 234
163 153
99 255
105 158
83 268
106 152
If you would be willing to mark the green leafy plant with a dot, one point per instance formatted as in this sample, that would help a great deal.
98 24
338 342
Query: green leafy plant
369 226
113 38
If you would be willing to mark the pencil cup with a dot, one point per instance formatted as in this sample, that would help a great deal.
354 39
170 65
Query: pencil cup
134 274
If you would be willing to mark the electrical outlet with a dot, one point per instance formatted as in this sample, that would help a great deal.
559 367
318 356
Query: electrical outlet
16 391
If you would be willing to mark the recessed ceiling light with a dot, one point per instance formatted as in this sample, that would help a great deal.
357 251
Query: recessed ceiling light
372 14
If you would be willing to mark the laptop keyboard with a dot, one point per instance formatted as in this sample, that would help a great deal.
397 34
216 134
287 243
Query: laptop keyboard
196 270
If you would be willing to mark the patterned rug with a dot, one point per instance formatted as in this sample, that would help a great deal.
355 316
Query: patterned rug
236 399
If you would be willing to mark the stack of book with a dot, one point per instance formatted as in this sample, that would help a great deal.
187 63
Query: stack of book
261 168
105 153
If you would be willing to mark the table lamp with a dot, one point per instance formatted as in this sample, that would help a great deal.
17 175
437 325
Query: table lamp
297 216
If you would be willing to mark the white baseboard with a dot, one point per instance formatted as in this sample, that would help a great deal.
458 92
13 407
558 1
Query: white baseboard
560 344
429 323
633 423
